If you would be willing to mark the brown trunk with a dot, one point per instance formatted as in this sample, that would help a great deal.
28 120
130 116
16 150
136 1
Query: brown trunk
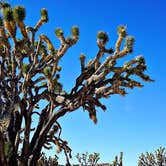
2 151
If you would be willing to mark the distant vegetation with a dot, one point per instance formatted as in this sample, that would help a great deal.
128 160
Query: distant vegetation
157 158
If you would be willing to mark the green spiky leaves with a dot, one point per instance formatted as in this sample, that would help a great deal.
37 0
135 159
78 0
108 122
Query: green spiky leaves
58 32
75 31
44 15
19 13
25 68
8 14
5 5
102 36
129 43
121 30
142 65
47 71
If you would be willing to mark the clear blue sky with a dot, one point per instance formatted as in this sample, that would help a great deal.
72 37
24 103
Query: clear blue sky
132 124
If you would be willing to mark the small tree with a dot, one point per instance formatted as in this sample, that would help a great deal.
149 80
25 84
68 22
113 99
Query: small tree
86 159
29 74
118 162
153 159
47 161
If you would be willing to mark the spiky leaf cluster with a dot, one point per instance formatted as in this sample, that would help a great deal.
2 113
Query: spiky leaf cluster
47 71
19 13
75 31
103 36
58 32
44 15
8 14
129 43
5 5
122 31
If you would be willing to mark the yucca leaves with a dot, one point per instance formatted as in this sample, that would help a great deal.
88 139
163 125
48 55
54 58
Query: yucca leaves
58 32
44 15
8 14
19 13
75 31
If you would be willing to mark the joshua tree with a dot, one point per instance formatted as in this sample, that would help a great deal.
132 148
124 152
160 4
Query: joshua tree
118 162
47 161
86 159
29 73
153 159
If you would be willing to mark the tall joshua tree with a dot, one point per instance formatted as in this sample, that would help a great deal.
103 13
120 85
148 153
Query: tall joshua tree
29 73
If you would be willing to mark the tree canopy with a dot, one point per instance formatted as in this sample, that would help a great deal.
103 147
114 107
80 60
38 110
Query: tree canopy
30 72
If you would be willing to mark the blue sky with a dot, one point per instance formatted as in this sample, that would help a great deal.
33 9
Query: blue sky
132 124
